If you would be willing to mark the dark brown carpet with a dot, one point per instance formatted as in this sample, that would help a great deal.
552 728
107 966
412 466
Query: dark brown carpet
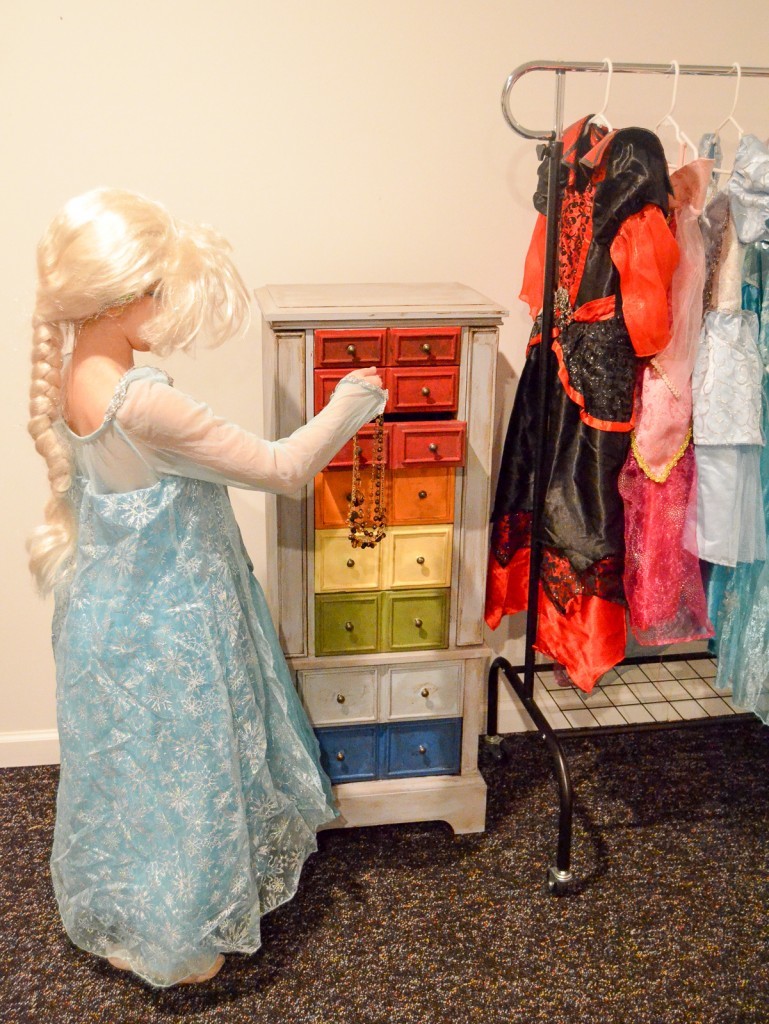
410 925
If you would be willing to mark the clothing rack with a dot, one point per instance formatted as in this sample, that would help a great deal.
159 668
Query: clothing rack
560 877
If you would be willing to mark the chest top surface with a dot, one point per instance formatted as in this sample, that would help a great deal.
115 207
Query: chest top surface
310 304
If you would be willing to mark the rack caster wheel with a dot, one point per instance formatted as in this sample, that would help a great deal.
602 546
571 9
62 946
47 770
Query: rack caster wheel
559 883
493 747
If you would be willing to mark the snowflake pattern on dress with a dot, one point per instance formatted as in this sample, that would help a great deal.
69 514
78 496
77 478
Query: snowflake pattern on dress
190 789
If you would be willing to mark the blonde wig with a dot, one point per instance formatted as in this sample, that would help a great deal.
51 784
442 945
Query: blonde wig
103 249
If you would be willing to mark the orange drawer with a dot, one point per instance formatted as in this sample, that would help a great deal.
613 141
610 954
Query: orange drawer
439 443
366 440
350 348
417 346
332 497
424 495
423 390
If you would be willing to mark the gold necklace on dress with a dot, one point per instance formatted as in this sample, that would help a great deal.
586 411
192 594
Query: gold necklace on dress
363 533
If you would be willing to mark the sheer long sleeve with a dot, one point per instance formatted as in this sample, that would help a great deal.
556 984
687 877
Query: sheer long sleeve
179 436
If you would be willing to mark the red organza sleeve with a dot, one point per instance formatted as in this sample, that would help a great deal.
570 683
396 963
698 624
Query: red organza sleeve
645 255
534 269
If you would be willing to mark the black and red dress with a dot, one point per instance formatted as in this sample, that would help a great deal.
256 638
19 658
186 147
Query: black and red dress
616 261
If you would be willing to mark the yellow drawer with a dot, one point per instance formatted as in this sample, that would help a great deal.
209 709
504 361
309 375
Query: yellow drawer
417 556
339 696
339 566
423 691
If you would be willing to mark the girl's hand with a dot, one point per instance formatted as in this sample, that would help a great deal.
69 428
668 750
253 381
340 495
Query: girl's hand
369 374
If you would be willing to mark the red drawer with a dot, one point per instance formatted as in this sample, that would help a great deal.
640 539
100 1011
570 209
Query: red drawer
351 348
428 444
421 390
366 439
417 346
327 380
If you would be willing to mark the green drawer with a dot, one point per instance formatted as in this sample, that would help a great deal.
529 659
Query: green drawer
415 620
346 623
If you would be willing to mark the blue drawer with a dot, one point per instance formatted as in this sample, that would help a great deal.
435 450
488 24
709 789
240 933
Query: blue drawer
349 753
428 747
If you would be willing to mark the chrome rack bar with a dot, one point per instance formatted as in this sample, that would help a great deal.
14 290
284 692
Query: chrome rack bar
598 67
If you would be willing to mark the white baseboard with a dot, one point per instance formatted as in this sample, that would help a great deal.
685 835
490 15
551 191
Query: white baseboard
24 749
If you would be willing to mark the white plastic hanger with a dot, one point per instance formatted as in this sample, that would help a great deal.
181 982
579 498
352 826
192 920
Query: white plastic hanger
682 138
729 119
600 118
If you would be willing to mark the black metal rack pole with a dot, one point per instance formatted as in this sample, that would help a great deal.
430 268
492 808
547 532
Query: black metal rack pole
559 876
541 460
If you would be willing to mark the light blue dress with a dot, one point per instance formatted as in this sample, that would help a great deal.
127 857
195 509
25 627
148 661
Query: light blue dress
738 598
191 788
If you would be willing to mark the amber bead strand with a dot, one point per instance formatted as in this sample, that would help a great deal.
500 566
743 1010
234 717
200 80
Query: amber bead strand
365 534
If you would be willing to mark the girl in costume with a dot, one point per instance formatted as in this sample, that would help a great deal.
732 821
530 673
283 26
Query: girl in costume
190 789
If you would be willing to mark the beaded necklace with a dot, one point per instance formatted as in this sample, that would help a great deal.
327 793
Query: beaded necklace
364 533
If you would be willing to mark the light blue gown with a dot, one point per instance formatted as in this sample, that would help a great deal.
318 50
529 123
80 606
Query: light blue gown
738 598
191 788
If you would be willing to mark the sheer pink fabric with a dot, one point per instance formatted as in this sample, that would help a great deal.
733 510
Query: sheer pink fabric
663 583
666 384
662 577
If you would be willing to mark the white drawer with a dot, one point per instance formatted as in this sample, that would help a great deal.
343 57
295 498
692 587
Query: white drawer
339 696
423 691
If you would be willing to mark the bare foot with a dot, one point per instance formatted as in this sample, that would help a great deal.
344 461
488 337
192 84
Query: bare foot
122 965
192 979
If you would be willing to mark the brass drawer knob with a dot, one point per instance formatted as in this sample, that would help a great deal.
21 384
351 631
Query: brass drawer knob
418 623
350 563
340 756
426 347
422 749
420 560
433 447
349 627
422 495
340 698
425 391
350 350
425 692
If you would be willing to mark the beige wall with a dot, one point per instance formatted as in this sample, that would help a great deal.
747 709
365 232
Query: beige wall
347 140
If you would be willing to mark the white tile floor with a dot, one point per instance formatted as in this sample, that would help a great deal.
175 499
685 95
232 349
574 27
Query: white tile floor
662 691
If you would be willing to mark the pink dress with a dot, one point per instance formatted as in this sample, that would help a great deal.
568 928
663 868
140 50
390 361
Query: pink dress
662 575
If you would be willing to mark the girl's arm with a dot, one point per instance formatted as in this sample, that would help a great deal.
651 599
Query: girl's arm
182 437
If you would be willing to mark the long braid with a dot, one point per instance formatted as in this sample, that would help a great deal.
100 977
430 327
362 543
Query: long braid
50 545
